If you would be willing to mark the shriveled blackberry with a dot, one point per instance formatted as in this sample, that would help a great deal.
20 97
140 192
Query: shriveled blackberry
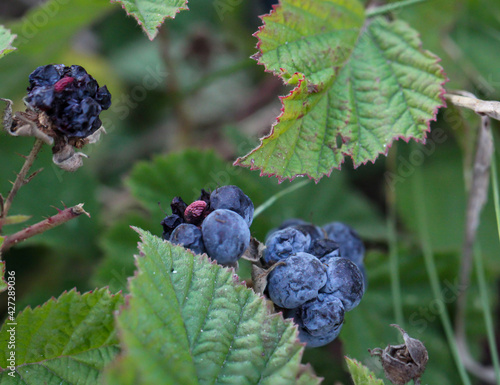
70 97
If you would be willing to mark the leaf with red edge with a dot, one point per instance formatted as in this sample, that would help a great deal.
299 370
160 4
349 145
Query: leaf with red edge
360 84
190 321
150 14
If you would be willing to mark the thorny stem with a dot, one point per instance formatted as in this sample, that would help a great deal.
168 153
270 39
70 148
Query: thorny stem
61 217
21 179
390 7
185 129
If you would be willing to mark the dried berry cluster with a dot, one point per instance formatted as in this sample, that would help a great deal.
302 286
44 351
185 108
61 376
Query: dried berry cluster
216 224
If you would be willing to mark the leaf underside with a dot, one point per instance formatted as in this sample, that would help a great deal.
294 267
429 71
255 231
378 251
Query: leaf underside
360 374
190 321
360 84
150 14
6 39
65 341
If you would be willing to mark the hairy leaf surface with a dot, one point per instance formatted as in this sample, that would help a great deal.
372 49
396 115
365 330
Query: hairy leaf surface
359 85
65 341
190 321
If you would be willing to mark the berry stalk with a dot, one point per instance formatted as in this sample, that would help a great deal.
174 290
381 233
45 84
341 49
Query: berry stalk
61 217
21 179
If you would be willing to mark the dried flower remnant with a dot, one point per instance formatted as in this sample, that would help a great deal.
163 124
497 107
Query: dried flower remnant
403 363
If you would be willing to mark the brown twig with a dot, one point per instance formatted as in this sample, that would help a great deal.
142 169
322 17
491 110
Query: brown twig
464 99
21 178
477 197
61 217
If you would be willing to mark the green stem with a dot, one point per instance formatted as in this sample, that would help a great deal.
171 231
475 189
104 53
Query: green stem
394 267
277 196
494 180
485 302
430 265
393 243
390 7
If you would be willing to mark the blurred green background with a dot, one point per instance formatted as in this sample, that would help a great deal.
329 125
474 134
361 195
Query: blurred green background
188 103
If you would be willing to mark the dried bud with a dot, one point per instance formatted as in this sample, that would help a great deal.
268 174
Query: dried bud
178 206
403 363
195 212
204 196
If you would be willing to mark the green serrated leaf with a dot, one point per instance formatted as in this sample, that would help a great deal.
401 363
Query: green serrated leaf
361 84
15 219
190 321
6 39
361 375
150 14
65 341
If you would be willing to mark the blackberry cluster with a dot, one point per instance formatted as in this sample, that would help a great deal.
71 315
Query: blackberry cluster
316 275
216 224
70 97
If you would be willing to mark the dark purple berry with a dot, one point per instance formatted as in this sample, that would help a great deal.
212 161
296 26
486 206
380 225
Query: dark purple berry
320 320
188 236
283 243
314 232
234 199
345 281
226 236
351 245
169 223
324 248
296 280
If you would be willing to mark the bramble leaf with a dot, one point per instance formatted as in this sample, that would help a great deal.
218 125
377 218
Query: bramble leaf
361 375
150 14
360 84
15 219
6 39
68 340
190 321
